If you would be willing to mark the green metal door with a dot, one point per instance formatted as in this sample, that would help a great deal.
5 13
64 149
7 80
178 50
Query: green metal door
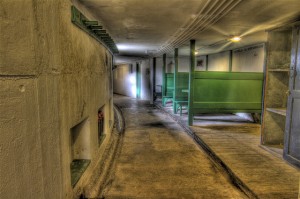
292 132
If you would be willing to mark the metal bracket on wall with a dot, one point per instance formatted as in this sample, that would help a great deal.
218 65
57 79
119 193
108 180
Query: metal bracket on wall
93 28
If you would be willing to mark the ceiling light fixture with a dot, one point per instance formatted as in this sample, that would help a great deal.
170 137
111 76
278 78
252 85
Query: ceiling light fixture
235 39
196 52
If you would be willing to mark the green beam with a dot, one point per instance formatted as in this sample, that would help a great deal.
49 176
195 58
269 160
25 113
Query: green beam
95 27
91 27
100 31
206 63
90 23
138 81
191 79
175 78
163 74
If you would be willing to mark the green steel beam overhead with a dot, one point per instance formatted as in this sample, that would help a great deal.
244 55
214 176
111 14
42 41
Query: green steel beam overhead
93 29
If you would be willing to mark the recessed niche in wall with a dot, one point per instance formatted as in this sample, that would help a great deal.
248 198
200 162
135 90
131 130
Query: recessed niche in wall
101 134
80 150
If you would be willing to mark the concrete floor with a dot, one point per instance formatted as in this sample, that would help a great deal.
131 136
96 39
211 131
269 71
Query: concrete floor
235 143
158 159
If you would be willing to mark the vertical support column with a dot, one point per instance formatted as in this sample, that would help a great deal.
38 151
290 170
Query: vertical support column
154 79
206 67
163 90
175 79
230 61
138 81
191 81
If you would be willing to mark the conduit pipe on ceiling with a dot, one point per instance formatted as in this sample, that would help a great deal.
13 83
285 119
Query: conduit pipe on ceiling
187 28
200 23
204 24
211 21
190 25
182 38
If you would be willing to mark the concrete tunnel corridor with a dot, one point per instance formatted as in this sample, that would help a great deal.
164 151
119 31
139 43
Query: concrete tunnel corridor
157 159
159 156
145 99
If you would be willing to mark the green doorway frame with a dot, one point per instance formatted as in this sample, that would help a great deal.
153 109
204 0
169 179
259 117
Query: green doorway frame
138 81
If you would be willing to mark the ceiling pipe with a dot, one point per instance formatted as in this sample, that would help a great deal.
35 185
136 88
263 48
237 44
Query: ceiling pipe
204 24
188 34
200 23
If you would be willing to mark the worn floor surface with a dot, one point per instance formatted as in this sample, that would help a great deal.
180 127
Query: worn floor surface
237 143
159 160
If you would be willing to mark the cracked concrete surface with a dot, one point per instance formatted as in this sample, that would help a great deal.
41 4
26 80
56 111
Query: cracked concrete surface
159 160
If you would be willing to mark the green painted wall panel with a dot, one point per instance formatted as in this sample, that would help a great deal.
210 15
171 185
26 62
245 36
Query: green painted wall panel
227 75
215 90
226 92
169 81
182 83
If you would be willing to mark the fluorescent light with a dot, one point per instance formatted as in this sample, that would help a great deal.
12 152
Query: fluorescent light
235 39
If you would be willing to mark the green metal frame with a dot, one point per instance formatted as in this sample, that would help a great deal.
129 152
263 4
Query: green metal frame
167 82
168 87
225 92
181 82
138 81
93 29
180 98
163 88
191 80
175 79
154 79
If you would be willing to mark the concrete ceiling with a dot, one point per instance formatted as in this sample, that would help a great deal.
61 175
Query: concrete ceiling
143 28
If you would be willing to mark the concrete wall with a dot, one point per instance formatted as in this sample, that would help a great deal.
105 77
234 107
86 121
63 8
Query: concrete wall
249 59
183 64
218 61
52 77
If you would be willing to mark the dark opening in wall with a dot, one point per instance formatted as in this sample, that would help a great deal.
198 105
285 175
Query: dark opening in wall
101 134
131 68
79 150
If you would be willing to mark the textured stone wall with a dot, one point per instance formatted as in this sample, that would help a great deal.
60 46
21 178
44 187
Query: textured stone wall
52 77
